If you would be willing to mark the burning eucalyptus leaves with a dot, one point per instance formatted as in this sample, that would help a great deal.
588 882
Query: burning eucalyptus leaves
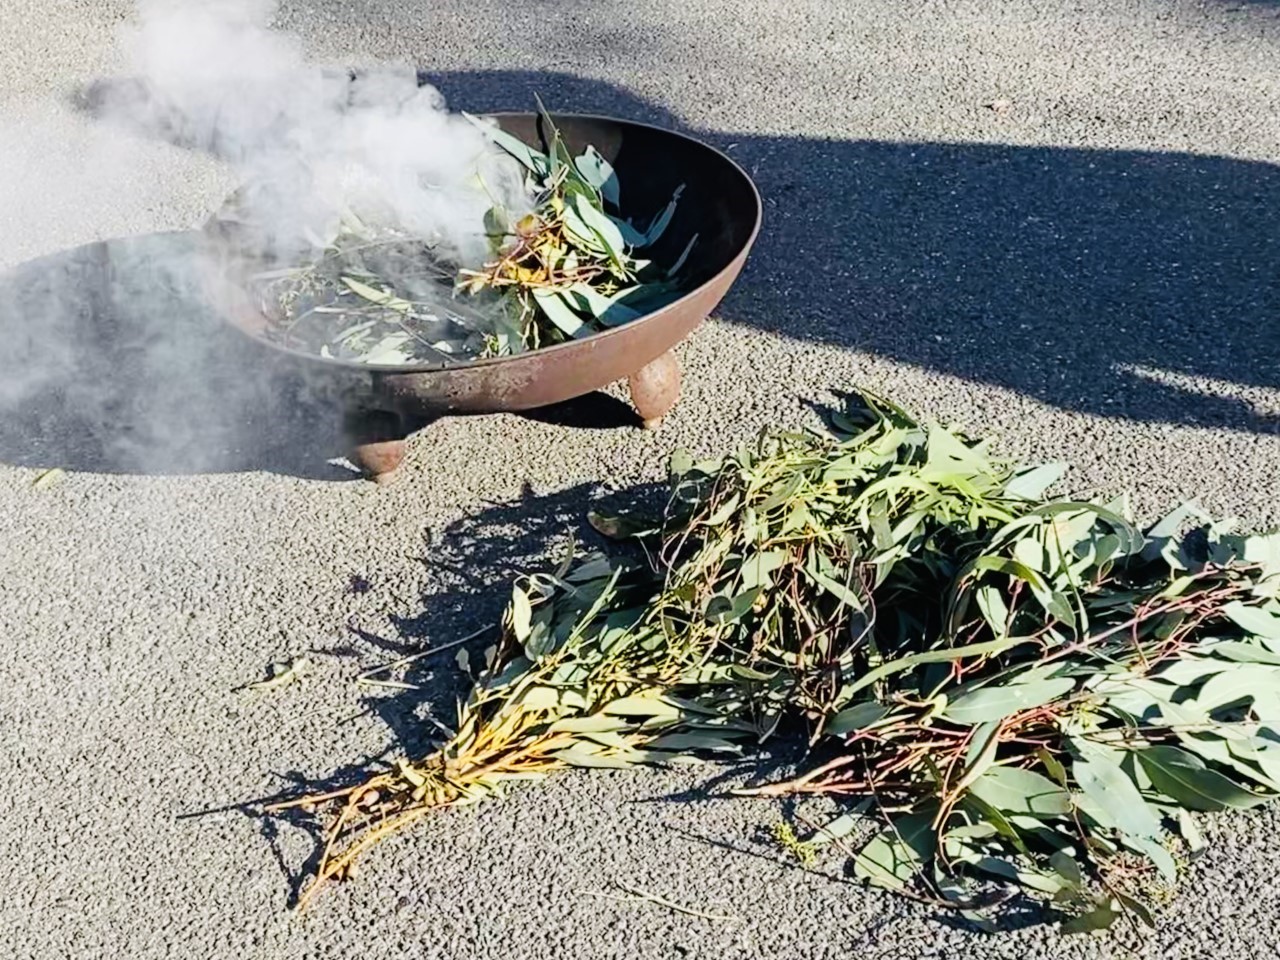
1022 692
564 268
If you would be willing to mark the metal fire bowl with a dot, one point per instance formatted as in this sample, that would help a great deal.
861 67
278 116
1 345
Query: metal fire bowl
720 204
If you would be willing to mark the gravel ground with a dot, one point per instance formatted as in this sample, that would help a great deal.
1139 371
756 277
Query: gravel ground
1086 269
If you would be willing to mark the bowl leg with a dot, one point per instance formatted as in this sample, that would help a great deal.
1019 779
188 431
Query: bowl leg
376 442
655 388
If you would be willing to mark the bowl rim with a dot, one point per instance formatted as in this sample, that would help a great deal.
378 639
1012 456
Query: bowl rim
423 368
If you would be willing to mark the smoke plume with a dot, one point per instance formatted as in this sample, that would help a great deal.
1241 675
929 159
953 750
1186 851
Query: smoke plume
311 143
113 357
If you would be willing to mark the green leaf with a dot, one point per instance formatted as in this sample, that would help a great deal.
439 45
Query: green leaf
594 723
1242 651
1257 757
638 706
981 752
1053 765
994 819
757 567
838 828
521 614
997 702
597 171
1016 570
1136 908
995 611
1190 831
1066 866
681 462
1260 549
1239 685
679 742
949 457
559 312
1184 778
860 716
618 526
634 238
647 298
580 231
1163 533
47 478
679 262
1031 484
1156 852
610 739
1100 917
382 298
723 610
842 592
540 698
896 854
581 756
658 226
606 230
610 311
957 892
1012 790
497 224
1116 797
1031 879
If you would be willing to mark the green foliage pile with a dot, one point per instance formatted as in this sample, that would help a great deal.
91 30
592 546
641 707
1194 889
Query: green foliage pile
1023 692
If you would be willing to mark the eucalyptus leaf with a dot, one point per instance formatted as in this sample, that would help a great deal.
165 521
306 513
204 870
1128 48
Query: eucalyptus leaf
532 159
894 856
605 230
558 311
597 171
997 702
521 614
1116 797
857 717
658 226
1012 790
1184 779
1097 918
611 310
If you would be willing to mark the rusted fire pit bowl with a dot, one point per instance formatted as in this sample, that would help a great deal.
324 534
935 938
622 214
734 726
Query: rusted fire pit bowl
720 204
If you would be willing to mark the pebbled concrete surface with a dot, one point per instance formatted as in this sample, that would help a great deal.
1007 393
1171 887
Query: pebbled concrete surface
1088 273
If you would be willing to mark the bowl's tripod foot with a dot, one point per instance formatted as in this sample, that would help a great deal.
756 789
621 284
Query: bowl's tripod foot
376 442
655 388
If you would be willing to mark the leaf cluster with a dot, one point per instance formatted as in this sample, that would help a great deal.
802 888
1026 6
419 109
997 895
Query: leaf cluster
568 268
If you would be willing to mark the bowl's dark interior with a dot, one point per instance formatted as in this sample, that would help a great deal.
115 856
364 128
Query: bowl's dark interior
719 204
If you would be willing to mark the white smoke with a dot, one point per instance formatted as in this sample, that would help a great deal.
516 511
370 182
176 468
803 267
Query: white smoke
313 143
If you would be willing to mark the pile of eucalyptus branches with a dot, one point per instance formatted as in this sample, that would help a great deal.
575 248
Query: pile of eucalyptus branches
564 267
1025 693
